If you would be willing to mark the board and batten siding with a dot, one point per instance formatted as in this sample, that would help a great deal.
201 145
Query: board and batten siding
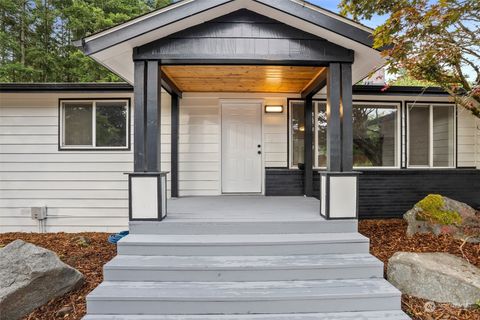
83 190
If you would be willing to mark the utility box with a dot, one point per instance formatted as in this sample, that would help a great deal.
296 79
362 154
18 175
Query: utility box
38 213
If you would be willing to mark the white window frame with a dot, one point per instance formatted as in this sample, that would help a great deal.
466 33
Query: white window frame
430 106
93 146
398 139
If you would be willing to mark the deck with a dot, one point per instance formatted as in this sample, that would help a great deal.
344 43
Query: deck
244 208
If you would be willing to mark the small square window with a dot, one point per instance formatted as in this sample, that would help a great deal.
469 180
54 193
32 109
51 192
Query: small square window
101 124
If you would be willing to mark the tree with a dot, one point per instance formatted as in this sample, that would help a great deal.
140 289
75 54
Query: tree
436 42
36 37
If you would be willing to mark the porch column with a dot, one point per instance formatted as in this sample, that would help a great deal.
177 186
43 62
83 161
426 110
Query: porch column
146 185
347 118
308 146
339 184
147 95
334 133
175 121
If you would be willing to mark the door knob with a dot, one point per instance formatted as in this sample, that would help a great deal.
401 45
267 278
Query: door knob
259 152
259 146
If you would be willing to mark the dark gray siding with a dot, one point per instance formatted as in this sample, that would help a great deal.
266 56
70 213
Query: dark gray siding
244 35
388 193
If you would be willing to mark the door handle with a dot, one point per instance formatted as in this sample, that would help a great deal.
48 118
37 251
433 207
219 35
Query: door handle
259 146
259 152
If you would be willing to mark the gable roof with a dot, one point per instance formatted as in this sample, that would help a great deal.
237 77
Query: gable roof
113 47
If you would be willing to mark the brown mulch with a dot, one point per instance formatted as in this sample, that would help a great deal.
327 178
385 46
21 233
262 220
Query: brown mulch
87 255
387 237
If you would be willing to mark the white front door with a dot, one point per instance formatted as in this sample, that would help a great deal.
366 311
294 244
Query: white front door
241 147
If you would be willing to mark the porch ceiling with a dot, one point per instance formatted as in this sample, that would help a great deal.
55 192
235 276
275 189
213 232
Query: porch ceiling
268 79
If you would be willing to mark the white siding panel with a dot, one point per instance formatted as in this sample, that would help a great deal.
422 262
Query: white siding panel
466 138
477 146
83 190
199 146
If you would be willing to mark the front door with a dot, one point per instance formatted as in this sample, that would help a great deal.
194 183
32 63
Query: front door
241 148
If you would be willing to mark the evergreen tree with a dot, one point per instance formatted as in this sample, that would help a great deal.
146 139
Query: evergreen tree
36 37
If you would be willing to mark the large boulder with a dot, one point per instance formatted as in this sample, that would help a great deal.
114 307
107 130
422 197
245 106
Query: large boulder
30 276
441 215
439 277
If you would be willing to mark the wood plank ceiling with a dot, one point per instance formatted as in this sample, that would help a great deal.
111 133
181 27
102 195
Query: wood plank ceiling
271 79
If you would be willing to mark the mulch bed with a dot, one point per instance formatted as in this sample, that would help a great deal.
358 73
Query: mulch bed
387 237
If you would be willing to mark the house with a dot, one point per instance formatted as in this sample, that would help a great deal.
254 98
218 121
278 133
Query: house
233 111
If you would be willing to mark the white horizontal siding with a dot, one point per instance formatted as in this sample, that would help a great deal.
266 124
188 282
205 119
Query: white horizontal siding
466 138
83 190
275 137
477 147
199 146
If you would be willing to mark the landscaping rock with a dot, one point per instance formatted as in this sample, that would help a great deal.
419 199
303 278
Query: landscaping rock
30 276
441 215
439 277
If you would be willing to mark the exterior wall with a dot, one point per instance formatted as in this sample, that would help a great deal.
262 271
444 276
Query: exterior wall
466 130
87 190
83 190
388 193
200 139
80 188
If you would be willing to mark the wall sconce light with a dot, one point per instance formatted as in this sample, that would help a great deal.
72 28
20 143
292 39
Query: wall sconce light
273 109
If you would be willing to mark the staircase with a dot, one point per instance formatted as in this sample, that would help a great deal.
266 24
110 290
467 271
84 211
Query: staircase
181 269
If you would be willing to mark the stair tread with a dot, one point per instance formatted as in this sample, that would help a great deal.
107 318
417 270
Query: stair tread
366 315
243 291
241 239
241 262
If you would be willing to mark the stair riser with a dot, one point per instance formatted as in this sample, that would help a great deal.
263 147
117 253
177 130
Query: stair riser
354 272
239 227
232 307
246 250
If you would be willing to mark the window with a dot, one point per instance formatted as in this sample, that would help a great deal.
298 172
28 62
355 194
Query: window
431 135
91 124
376 132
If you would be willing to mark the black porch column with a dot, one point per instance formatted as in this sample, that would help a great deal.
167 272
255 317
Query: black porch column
334 132
147 95
152 135
308 147
347 118
140 91
175 121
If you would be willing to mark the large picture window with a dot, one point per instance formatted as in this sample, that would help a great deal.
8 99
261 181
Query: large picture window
94 124
376 134
431 135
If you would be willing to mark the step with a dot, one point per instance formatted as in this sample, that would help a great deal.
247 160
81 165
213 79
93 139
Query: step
365 315
213 226
113 297
243 244
243 268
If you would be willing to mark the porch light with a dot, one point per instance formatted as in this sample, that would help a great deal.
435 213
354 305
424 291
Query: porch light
273 109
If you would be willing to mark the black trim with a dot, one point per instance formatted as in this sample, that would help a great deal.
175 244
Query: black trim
175 122
397 90
65 87
126 87
60 125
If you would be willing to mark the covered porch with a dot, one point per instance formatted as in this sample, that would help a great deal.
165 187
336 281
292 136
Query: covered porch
253 49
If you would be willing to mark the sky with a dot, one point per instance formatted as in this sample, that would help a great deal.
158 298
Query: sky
332 5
